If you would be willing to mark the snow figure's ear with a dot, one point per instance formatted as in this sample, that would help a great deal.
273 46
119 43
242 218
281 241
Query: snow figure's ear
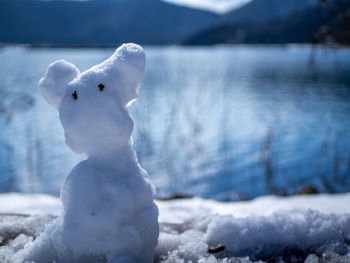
54 84
127 65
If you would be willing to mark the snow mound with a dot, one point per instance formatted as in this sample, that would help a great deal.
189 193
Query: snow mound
286 236
18 230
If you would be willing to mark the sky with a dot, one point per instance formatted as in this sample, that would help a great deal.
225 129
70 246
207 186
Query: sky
219 6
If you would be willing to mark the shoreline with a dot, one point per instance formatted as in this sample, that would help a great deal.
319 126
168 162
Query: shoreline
257 45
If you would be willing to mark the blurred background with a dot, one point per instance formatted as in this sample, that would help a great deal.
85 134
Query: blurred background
240 98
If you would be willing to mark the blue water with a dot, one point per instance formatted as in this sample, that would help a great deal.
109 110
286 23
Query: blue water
220 122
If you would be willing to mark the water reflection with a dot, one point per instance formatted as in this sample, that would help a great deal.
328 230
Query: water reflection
223 122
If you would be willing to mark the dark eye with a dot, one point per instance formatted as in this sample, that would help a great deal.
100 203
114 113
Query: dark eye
75 95
101 87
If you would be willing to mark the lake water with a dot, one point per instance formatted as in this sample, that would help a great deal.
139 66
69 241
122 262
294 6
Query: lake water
220 122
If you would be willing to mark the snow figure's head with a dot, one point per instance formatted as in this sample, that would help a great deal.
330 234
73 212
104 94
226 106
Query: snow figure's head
92 104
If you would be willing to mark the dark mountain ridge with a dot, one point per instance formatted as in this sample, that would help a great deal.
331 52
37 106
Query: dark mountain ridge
264 11
309 22
98 22
154 22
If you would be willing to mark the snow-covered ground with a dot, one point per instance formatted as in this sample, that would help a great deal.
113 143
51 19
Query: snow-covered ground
272 229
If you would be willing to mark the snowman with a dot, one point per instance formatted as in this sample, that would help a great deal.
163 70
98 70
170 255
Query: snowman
108 200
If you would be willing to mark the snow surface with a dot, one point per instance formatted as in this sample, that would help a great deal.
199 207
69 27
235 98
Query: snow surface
30 204
293 229
108 208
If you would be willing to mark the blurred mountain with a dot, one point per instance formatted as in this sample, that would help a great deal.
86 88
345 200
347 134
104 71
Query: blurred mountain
98 22
155 22
276 21
263 11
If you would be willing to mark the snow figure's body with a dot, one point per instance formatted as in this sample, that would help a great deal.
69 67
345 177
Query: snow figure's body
109 210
